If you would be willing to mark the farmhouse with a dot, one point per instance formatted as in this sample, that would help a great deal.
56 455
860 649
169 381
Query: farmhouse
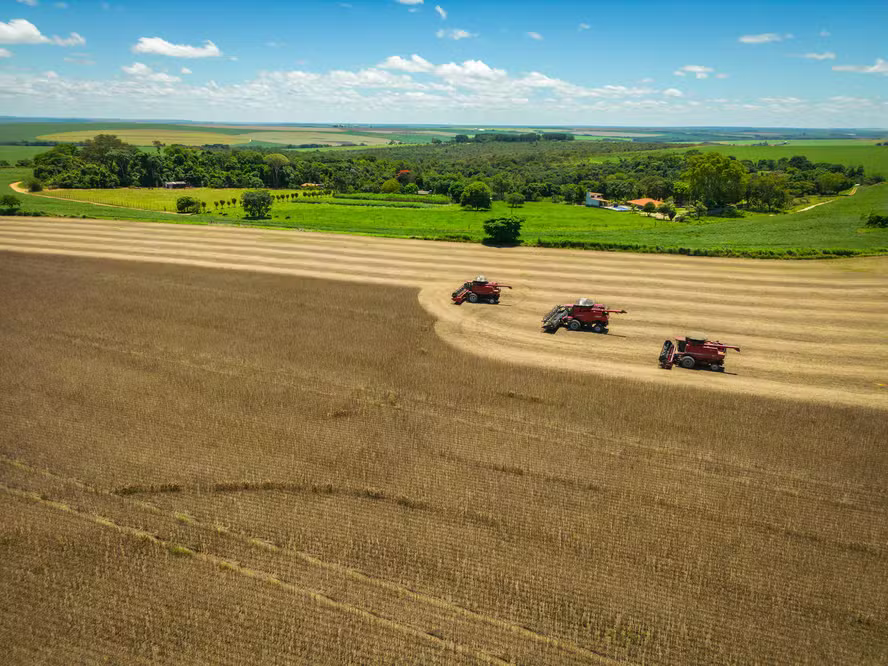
311 185
175 185
640 203
595 199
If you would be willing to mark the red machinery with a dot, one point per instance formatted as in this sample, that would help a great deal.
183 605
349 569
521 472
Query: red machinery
583 314
478 290
693 352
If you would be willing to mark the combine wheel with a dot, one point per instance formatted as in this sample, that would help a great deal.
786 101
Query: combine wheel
715 367
494 300
575 325
597 327
687 362
473 297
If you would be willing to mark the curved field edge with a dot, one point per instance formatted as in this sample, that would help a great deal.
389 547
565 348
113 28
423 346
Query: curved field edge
835 230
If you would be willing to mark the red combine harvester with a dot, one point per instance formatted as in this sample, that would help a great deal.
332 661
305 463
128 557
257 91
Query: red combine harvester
478 290
583 314
694 352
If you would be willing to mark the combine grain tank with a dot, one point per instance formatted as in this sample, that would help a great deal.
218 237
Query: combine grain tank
694 352
585 313
478 290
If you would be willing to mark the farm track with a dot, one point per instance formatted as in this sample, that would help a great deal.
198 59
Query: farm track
423 617
790 318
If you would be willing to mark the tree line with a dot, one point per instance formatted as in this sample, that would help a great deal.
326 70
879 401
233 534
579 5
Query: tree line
560 171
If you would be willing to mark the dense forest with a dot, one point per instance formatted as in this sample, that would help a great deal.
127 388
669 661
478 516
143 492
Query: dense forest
537 169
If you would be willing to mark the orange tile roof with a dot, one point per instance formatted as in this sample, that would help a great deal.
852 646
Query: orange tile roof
642 202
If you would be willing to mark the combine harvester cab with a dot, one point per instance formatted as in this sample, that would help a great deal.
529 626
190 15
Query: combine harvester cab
694 352
478 290
585 313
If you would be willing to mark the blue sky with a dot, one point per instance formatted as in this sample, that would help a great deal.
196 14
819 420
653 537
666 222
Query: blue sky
813 64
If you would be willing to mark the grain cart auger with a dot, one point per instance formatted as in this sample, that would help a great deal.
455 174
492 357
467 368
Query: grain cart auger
694 352
585 313
479 289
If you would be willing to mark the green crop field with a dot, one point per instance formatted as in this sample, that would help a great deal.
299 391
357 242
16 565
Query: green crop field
13 153
835 225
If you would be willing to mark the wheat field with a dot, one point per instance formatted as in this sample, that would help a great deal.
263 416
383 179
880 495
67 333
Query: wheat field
311 459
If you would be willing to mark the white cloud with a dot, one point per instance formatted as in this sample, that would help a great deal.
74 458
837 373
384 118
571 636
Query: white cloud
142 71
534 35
721 75
699 71
673 92
646 79
414 64
30 3
441 12
880 67
20 31
5 53
584 26
410 2
763 38
454 33
824 33
828 55
158 46
185 70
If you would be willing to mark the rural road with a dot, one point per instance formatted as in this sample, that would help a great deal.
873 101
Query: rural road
808 330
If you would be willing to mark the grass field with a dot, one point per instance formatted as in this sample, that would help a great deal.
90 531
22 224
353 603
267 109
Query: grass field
836 225
13 153
193 446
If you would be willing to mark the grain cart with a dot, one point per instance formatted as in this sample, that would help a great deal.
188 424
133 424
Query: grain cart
694 352
479 289
585 313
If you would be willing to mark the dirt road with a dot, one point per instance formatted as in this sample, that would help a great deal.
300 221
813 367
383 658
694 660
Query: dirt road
808 330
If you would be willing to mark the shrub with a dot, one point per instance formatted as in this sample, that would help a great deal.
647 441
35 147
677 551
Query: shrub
9 204
515 199
390 186
477 195
187 205
411 188
876 220
33 185
503 230
730 210
257 203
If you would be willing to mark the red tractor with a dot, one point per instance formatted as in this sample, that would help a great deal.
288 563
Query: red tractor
479 289
583 314
694 352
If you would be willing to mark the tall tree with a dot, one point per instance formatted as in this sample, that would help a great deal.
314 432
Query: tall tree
716 179
276 162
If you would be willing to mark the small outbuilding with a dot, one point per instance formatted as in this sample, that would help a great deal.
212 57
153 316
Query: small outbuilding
641 203
595 199
175 185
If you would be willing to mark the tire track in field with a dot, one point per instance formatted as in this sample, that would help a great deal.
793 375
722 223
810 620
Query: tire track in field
564 648
810 331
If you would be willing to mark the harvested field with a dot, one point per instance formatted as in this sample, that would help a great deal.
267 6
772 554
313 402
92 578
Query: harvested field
222 466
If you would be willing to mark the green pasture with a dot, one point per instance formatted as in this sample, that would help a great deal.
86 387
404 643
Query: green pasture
13 153
834 225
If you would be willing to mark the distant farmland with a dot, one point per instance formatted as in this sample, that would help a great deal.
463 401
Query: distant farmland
197 137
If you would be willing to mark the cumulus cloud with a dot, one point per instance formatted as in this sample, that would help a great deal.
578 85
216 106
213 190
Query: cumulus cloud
673 92
185 70
142 71
454 33
828 55
763 38
410 2
584 26
721 75
21 31
880 67
5 53
534 35
158 46
824 33
441 12
414 64
699 71
30 3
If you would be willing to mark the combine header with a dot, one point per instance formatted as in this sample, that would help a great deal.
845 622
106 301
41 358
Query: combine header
583 314
478 290
694 352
